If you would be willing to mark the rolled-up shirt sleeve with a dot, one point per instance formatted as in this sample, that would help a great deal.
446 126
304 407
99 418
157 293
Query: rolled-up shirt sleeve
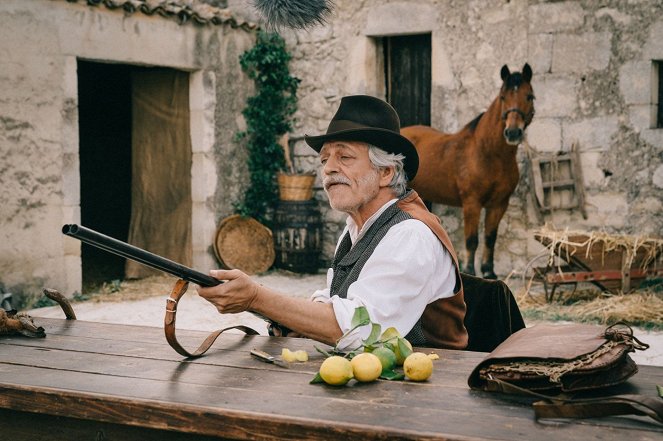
407 270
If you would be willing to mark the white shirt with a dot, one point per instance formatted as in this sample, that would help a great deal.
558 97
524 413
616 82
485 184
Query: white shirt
408 270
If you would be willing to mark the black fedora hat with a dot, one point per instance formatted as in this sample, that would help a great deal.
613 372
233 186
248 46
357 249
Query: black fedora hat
368 119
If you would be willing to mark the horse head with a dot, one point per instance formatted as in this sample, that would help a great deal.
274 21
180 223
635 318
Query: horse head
517 103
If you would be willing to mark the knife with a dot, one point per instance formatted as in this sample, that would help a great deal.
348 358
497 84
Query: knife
264 356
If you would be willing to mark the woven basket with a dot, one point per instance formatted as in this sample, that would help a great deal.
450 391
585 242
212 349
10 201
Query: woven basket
295 187
244 243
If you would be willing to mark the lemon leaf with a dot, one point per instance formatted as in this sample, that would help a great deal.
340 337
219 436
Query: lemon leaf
390 334
389 374
360 317
317 379
403 348
374 335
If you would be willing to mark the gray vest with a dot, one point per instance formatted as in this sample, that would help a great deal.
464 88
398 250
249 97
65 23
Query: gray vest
348 263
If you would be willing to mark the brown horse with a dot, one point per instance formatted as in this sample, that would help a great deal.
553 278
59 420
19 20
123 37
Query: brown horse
477 167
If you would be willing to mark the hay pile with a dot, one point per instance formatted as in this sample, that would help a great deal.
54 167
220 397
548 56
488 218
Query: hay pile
585 302
566 243
642 307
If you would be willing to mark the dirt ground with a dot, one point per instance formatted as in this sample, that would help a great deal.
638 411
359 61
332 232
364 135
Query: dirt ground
143 303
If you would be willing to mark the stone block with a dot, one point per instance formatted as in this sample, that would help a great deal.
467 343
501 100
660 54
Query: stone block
607 210
397 18
71 181
545 134
635 82
539 52
581 53
203 177
591 133
653 137
657 177
203 227
653 48
202 131
556 95
73 276
640 116
555 17
592 173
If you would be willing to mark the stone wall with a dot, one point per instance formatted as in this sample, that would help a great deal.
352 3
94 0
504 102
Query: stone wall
39 164
592 63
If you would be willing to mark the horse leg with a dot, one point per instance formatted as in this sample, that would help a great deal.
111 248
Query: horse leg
471 213
493 217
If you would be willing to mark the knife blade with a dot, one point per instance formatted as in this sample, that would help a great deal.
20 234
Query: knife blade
264 356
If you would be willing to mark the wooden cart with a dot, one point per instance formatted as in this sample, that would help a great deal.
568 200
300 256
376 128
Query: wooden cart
612 263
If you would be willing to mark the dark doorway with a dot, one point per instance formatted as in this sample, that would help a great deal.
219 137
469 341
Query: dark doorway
104 112
408 77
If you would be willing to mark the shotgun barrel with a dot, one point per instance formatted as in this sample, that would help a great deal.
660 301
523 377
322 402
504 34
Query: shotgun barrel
139 255
123 249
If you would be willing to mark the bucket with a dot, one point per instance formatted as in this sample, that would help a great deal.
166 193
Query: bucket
297 234
295 187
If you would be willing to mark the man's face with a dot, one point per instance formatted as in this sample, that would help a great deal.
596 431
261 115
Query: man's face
349 178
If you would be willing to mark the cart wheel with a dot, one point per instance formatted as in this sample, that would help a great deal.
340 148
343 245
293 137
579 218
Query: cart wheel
534 276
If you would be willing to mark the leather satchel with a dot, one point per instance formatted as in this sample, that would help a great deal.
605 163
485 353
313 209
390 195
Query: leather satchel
550 361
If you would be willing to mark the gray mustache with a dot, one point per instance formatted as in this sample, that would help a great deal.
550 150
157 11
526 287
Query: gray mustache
335 179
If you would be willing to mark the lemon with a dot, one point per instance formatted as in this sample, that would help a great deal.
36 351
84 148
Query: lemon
336 370
418 366
290 356
366 367
386 356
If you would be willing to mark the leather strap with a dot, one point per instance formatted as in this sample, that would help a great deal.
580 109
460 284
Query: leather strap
599 407
169 324
558 407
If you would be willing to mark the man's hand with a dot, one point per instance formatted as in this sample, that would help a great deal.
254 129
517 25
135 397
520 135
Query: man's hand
236 295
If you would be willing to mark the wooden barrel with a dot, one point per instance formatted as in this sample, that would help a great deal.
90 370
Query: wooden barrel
297 232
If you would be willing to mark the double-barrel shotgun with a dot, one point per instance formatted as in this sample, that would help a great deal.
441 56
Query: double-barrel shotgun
128 251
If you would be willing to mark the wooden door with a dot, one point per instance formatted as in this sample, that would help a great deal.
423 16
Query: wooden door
408 77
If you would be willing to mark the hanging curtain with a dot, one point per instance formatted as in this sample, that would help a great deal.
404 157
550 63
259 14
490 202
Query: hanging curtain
161 168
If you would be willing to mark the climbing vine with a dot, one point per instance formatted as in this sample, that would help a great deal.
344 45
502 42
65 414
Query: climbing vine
268 116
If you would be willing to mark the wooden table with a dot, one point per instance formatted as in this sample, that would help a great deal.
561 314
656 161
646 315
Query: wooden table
115 382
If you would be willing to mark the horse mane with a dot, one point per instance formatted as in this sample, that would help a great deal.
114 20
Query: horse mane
472 125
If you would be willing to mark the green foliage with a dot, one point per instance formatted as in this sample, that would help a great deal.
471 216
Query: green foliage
268 116
390 338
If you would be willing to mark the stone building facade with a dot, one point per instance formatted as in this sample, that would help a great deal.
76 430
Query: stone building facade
597 69
43 44
596 78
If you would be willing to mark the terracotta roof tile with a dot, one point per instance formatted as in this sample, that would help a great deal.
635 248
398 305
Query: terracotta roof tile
181 10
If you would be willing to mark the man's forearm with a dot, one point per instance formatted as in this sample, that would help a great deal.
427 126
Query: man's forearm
314 320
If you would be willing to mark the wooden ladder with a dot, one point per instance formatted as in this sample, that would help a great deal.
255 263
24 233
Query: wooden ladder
556 181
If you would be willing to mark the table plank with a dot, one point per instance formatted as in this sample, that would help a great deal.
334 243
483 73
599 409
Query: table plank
100 373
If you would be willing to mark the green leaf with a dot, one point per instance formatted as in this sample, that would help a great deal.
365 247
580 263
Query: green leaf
403 348
360 317
389 374
374 336
659 389
317 379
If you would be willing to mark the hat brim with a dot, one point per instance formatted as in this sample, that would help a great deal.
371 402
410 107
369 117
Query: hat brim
387 140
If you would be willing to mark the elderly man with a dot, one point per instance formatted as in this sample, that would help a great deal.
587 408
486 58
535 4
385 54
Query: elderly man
394 258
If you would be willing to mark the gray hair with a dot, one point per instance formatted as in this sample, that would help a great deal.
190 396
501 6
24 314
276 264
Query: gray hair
382 159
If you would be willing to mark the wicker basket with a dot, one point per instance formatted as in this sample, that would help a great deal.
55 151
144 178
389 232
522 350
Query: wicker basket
295 187
244 243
